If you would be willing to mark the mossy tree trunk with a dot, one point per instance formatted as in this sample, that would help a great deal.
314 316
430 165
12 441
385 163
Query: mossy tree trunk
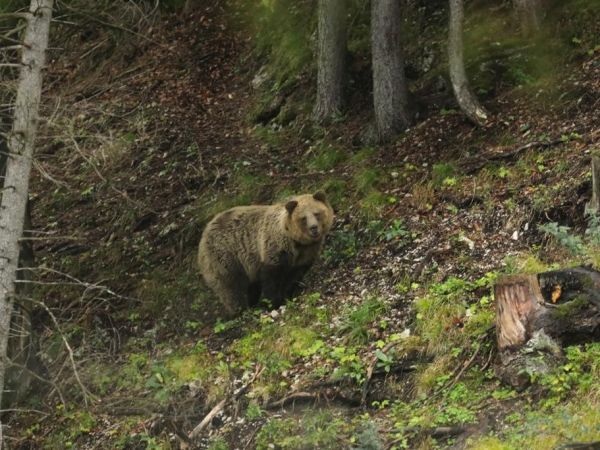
465 98
21 139
390 98
331 59
529 13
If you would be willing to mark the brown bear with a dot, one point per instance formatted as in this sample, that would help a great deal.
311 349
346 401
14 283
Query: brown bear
263 250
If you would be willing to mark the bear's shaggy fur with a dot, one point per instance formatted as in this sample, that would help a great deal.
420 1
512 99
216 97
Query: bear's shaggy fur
249 251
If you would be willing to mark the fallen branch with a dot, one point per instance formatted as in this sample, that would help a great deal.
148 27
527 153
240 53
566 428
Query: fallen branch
219 406
302 396
474 164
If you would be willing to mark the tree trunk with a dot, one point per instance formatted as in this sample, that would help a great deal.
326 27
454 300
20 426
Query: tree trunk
18 165
462 91
593 206
330 59
537 314
529 14
389 82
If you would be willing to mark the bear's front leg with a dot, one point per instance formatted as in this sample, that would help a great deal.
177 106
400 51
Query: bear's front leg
272 280
292 281
233 294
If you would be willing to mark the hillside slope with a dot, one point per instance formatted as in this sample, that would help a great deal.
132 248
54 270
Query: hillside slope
158 121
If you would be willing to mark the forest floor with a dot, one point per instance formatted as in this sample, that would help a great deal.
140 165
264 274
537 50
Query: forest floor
390 345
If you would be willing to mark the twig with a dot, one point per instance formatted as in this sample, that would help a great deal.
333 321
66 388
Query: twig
42 379
86 393
219 406
19 410
84 284
114 26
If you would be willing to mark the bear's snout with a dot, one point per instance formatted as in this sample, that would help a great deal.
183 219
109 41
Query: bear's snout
314 231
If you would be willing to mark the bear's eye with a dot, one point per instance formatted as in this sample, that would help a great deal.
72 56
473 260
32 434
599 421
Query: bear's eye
304 220
317 215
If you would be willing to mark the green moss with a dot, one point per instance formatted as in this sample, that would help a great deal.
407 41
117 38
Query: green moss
568 309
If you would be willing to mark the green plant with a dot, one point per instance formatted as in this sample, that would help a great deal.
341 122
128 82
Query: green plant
325 158
342 245
315 429
349 364
358 321
561 233
441 173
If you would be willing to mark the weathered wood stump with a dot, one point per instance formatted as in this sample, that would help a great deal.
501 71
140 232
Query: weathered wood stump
536 315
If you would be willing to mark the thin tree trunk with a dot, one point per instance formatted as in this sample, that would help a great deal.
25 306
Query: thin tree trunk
330 59
389 82
464 96
529 15
18 166
593 206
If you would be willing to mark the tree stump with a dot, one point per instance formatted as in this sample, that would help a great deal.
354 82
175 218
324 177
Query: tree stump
536 315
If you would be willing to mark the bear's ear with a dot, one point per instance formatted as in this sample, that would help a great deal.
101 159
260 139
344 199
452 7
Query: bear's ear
290 206
320 196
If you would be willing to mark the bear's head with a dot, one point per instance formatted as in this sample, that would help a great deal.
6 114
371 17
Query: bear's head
309 218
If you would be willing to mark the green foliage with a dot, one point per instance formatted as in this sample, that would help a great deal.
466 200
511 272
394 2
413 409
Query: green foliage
393 231
369 439
372 204
580 371
254 411
358 320
325 157
585 246
348 364
316 429
561 233
282 30
442 318
576 421
74 425
342 245
366 179
218 443
443 174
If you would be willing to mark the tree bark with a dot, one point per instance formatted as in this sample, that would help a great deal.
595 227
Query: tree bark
330 59
462 91
529 14
537 314
389 81
18 166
